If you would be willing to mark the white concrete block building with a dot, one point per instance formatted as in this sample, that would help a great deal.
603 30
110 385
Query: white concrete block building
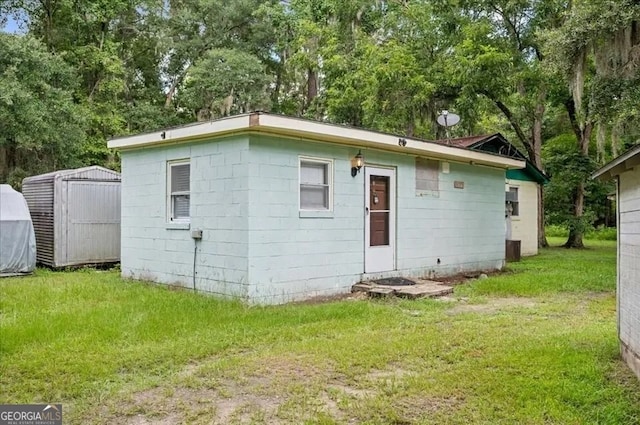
271 209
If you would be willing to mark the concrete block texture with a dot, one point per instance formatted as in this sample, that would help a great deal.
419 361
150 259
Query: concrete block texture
259 246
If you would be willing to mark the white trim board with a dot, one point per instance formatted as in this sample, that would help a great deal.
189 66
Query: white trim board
625 162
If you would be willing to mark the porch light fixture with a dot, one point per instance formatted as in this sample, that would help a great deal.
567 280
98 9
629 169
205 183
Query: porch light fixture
356 164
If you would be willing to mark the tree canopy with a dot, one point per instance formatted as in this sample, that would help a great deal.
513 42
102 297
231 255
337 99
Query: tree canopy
539 71
42 126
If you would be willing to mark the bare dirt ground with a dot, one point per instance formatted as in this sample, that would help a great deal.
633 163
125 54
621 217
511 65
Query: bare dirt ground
289 389
493 305
279 391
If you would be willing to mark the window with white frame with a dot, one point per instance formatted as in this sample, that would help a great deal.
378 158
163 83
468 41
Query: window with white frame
315 184
513 205
178 188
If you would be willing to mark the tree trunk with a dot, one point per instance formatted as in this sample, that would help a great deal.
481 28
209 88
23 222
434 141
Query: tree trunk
533 146
537 129
312 86
4 167
172 91
410 128
174 85
512 121
275 95
576 233
8 160
49 8
542 237
536 158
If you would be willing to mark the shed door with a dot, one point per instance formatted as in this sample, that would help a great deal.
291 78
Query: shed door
93 222
380 219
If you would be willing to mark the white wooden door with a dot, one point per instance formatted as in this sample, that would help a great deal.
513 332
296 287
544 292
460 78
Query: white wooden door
380 220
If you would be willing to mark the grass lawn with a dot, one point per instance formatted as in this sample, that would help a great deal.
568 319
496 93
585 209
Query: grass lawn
535 345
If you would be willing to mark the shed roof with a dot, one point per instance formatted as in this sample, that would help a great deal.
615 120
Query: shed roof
619 165
298 128
465 142
494 143
497 143
94 172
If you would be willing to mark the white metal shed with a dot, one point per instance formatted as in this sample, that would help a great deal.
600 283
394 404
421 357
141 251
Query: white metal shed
17 241
76 216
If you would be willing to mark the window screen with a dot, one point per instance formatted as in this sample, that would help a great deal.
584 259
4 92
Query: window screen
179 178
315 185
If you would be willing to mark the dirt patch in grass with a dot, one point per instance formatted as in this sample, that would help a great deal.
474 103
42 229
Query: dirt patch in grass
462 278
230 402
349 390
278 390
493 305
323 299
160 406
413 409
388 374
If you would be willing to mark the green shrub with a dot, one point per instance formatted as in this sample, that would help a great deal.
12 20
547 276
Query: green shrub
555 230
601 233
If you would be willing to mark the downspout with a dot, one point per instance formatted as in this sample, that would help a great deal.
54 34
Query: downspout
195 254
196 235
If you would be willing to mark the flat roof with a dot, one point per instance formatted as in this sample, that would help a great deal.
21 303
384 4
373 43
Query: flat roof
299 128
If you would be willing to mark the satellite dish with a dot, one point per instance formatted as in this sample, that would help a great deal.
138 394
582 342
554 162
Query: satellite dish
447 119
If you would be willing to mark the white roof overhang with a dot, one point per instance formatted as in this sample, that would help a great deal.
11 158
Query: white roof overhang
283 126
625 162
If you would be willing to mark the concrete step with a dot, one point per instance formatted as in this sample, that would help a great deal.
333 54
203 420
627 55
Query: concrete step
421 289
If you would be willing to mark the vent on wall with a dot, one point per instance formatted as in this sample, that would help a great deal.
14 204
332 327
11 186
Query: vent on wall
427 176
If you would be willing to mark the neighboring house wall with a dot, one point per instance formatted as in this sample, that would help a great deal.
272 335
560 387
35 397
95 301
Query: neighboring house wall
524 226
295 255
155 249
629 267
